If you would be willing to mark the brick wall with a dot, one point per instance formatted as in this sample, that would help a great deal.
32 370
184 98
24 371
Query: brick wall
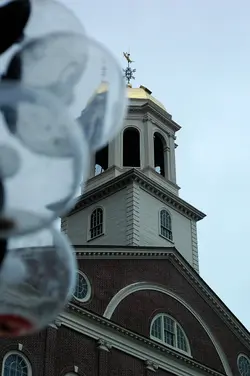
109 276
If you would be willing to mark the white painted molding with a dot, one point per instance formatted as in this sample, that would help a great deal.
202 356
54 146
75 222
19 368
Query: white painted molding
138 349
139 286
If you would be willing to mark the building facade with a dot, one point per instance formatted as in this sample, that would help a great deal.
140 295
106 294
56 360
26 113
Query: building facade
140 307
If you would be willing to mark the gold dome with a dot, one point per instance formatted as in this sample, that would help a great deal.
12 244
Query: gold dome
143 93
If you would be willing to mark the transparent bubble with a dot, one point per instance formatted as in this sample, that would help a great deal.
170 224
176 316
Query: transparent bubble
55 61
101 113
49 16
37 278
83 74
9 161
53 159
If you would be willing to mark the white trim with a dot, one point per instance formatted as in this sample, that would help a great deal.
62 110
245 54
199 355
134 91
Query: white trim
88 296
139 286
176 323
89 239
241 355
164 208
18 353
138 350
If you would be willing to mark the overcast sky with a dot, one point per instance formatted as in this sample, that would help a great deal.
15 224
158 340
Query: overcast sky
194 56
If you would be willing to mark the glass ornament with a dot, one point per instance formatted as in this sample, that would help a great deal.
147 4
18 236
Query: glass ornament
37 278
49 16
14 16
83 74
101 113
55 62
49 159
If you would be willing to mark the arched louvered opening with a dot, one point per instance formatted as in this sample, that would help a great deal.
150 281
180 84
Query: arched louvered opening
101 160
160 156
131 147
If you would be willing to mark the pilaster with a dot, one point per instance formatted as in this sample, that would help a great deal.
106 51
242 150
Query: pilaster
194 240
133 215
103 357
51 349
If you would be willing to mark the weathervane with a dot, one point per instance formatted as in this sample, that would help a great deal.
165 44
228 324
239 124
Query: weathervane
128 72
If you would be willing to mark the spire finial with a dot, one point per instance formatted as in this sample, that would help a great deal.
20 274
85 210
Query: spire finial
128 71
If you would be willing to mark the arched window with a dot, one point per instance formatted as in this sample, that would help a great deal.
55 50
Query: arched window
160 154
166 330
101 160
131 147
96 223
243 365
83 289
15 364
166 225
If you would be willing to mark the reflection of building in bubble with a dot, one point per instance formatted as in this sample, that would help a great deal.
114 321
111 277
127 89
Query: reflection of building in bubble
92 118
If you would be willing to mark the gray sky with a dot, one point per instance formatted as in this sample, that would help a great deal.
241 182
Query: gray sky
194 56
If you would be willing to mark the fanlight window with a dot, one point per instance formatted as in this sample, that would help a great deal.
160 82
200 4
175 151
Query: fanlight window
96 223
244 365
15 365
83 289
166 225
166 330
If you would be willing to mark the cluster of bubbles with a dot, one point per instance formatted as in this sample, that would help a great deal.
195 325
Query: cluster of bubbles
62 97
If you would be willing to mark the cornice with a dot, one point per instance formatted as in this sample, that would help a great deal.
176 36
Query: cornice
145 183
123 252
171 254
211 298
125 333
150 107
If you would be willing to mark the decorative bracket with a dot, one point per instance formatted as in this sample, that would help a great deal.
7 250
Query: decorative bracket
151 365
103 345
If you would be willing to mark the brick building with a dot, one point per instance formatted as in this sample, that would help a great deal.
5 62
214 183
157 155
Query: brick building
140 307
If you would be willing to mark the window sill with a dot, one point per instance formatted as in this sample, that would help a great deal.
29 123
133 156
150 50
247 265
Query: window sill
163 237
171 347
96 237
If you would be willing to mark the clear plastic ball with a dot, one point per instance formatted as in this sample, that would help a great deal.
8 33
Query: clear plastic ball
48 16
83 74
53 159
37 278
102 103
55 61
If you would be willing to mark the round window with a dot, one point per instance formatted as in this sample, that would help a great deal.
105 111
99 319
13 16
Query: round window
244 365
82 290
